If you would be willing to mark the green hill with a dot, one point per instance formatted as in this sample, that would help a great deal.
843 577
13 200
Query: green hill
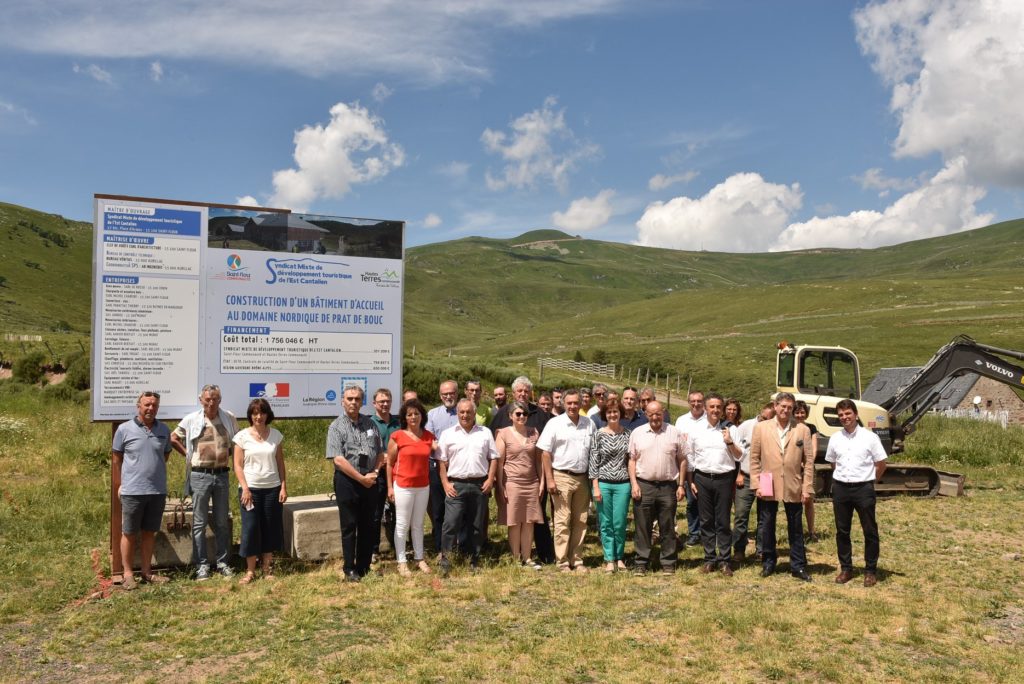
711 317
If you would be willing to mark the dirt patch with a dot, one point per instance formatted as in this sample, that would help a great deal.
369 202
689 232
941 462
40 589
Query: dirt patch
1007 627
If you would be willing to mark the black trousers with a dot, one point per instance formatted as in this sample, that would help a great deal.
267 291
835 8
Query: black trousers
767 512
435 506
714 504
542 538
467 508
357 509
847 498
385 513
657 502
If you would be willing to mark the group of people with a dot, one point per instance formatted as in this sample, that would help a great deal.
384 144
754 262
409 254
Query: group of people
571 448
213 446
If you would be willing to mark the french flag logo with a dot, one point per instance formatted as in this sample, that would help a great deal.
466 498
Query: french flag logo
269 390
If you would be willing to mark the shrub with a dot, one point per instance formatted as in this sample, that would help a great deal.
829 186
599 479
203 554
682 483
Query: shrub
78 370
29 368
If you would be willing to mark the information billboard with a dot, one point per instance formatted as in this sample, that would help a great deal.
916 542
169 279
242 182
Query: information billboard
262 302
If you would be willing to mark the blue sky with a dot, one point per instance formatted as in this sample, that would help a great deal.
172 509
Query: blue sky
732 126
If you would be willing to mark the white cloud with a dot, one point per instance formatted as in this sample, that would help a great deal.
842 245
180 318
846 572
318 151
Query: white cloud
431 221
944 205
9 109
95 72
381 92
352 148
956 69
585 213
743 213
456 170
540 146
247 201
156 71
874 179
660 181
427 40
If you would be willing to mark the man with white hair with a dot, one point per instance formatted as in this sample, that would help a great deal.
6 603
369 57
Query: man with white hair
203 437
565 452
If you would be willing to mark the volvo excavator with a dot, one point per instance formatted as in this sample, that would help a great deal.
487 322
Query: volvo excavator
822 376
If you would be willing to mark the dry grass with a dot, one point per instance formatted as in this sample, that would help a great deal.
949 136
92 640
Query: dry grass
949 606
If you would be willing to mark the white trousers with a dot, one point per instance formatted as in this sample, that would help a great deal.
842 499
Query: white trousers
410 508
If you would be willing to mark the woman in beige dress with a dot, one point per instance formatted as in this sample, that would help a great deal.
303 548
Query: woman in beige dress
520 483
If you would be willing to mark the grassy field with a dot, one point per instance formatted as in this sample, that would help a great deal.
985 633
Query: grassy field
949 606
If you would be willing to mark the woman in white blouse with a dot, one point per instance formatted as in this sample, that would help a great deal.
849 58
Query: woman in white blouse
259 467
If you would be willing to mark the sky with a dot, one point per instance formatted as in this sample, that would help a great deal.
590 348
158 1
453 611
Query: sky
725 125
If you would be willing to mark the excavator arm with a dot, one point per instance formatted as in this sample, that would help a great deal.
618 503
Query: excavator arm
961 355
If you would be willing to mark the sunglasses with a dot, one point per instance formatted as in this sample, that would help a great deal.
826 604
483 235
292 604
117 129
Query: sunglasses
151 394
518 414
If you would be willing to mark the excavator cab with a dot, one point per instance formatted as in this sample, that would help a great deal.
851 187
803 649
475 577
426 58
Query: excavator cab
822 371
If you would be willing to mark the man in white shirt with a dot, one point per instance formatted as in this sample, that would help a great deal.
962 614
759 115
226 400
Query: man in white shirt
712 453
204 438
657 467
439 419
858 460
687 423
565 453
467 463
745 494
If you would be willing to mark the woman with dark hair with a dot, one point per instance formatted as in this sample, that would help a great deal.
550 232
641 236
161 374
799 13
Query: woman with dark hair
259 467
609 473
520 482
409 452
733 411
800 412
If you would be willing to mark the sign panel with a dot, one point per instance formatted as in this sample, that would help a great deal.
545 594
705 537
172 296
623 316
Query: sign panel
263 303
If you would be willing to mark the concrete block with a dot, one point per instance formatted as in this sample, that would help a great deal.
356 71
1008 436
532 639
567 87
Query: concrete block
312 530
173 546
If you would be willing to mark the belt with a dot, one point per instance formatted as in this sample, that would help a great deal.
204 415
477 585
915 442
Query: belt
614 481
716 476
853 484
567 472
472 480
659 482
211 471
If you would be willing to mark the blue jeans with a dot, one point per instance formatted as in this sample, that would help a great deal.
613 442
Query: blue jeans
207 486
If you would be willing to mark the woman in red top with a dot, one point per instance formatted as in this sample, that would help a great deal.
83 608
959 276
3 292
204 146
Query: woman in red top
409 452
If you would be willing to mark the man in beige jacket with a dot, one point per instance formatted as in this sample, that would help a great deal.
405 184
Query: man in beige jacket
782 447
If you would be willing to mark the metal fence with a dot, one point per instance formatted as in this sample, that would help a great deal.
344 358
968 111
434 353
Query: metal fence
1001 417
580 367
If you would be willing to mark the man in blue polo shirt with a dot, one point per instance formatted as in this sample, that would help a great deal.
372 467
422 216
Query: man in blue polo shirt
139 455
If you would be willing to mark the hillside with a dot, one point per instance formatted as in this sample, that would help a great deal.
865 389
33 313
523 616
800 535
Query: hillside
715 317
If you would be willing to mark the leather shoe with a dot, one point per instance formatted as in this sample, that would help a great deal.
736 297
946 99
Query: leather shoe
801 575
707 568
726 569
844 576
767 571
352 576
870 579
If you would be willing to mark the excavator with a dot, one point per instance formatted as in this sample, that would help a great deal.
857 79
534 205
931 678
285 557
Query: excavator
822 376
